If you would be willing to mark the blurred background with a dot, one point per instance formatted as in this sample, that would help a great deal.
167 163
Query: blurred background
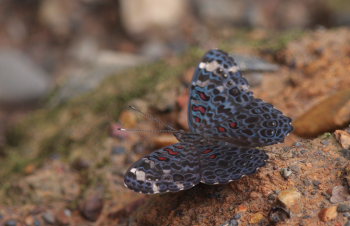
54 51
79 42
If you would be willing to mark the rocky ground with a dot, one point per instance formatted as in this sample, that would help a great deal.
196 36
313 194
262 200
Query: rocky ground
64 164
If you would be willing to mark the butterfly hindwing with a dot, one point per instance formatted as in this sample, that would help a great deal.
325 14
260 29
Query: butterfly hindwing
170 169
221 105
222 163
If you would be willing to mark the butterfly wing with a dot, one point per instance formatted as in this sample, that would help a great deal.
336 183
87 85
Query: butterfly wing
170 169
223 163
221 105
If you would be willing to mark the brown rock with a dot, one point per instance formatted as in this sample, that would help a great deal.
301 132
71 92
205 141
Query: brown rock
343 138
332 113
242 208
289 197
328 214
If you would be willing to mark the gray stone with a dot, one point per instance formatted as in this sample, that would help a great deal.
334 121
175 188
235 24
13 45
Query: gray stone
89 76
20 79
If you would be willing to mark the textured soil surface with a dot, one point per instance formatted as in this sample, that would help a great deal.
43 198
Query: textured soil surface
65 165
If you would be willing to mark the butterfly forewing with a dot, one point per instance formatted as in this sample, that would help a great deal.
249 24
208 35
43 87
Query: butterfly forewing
221 105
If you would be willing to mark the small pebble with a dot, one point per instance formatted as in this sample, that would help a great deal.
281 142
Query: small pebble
117 150
339 194
272 197
307 182
316 183
256 218
289 197
295 169
343 138
164 140
286 173
67 212
92 206
343 208
62 218
328 214
11 223
278 214
237 216
346 153
128 119
37 222
49 218
81 164
297 144
233 222
325 142
29 220
346 214
304 151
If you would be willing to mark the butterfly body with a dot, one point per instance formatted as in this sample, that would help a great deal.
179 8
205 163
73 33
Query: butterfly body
226 124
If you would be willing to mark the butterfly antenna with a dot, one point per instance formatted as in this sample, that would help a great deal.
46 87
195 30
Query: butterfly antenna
148 116
146 131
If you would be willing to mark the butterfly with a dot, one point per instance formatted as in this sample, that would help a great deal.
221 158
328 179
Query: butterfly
227 124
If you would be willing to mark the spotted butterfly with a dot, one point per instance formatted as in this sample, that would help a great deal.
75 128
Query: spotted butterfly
226 124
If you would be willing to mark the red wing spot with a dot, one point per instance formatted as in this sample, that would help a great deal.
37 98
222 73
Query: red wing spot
171 152
221 129
199 108
207 151
213 156
233 124
203 96
180 147
162 158
197 119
